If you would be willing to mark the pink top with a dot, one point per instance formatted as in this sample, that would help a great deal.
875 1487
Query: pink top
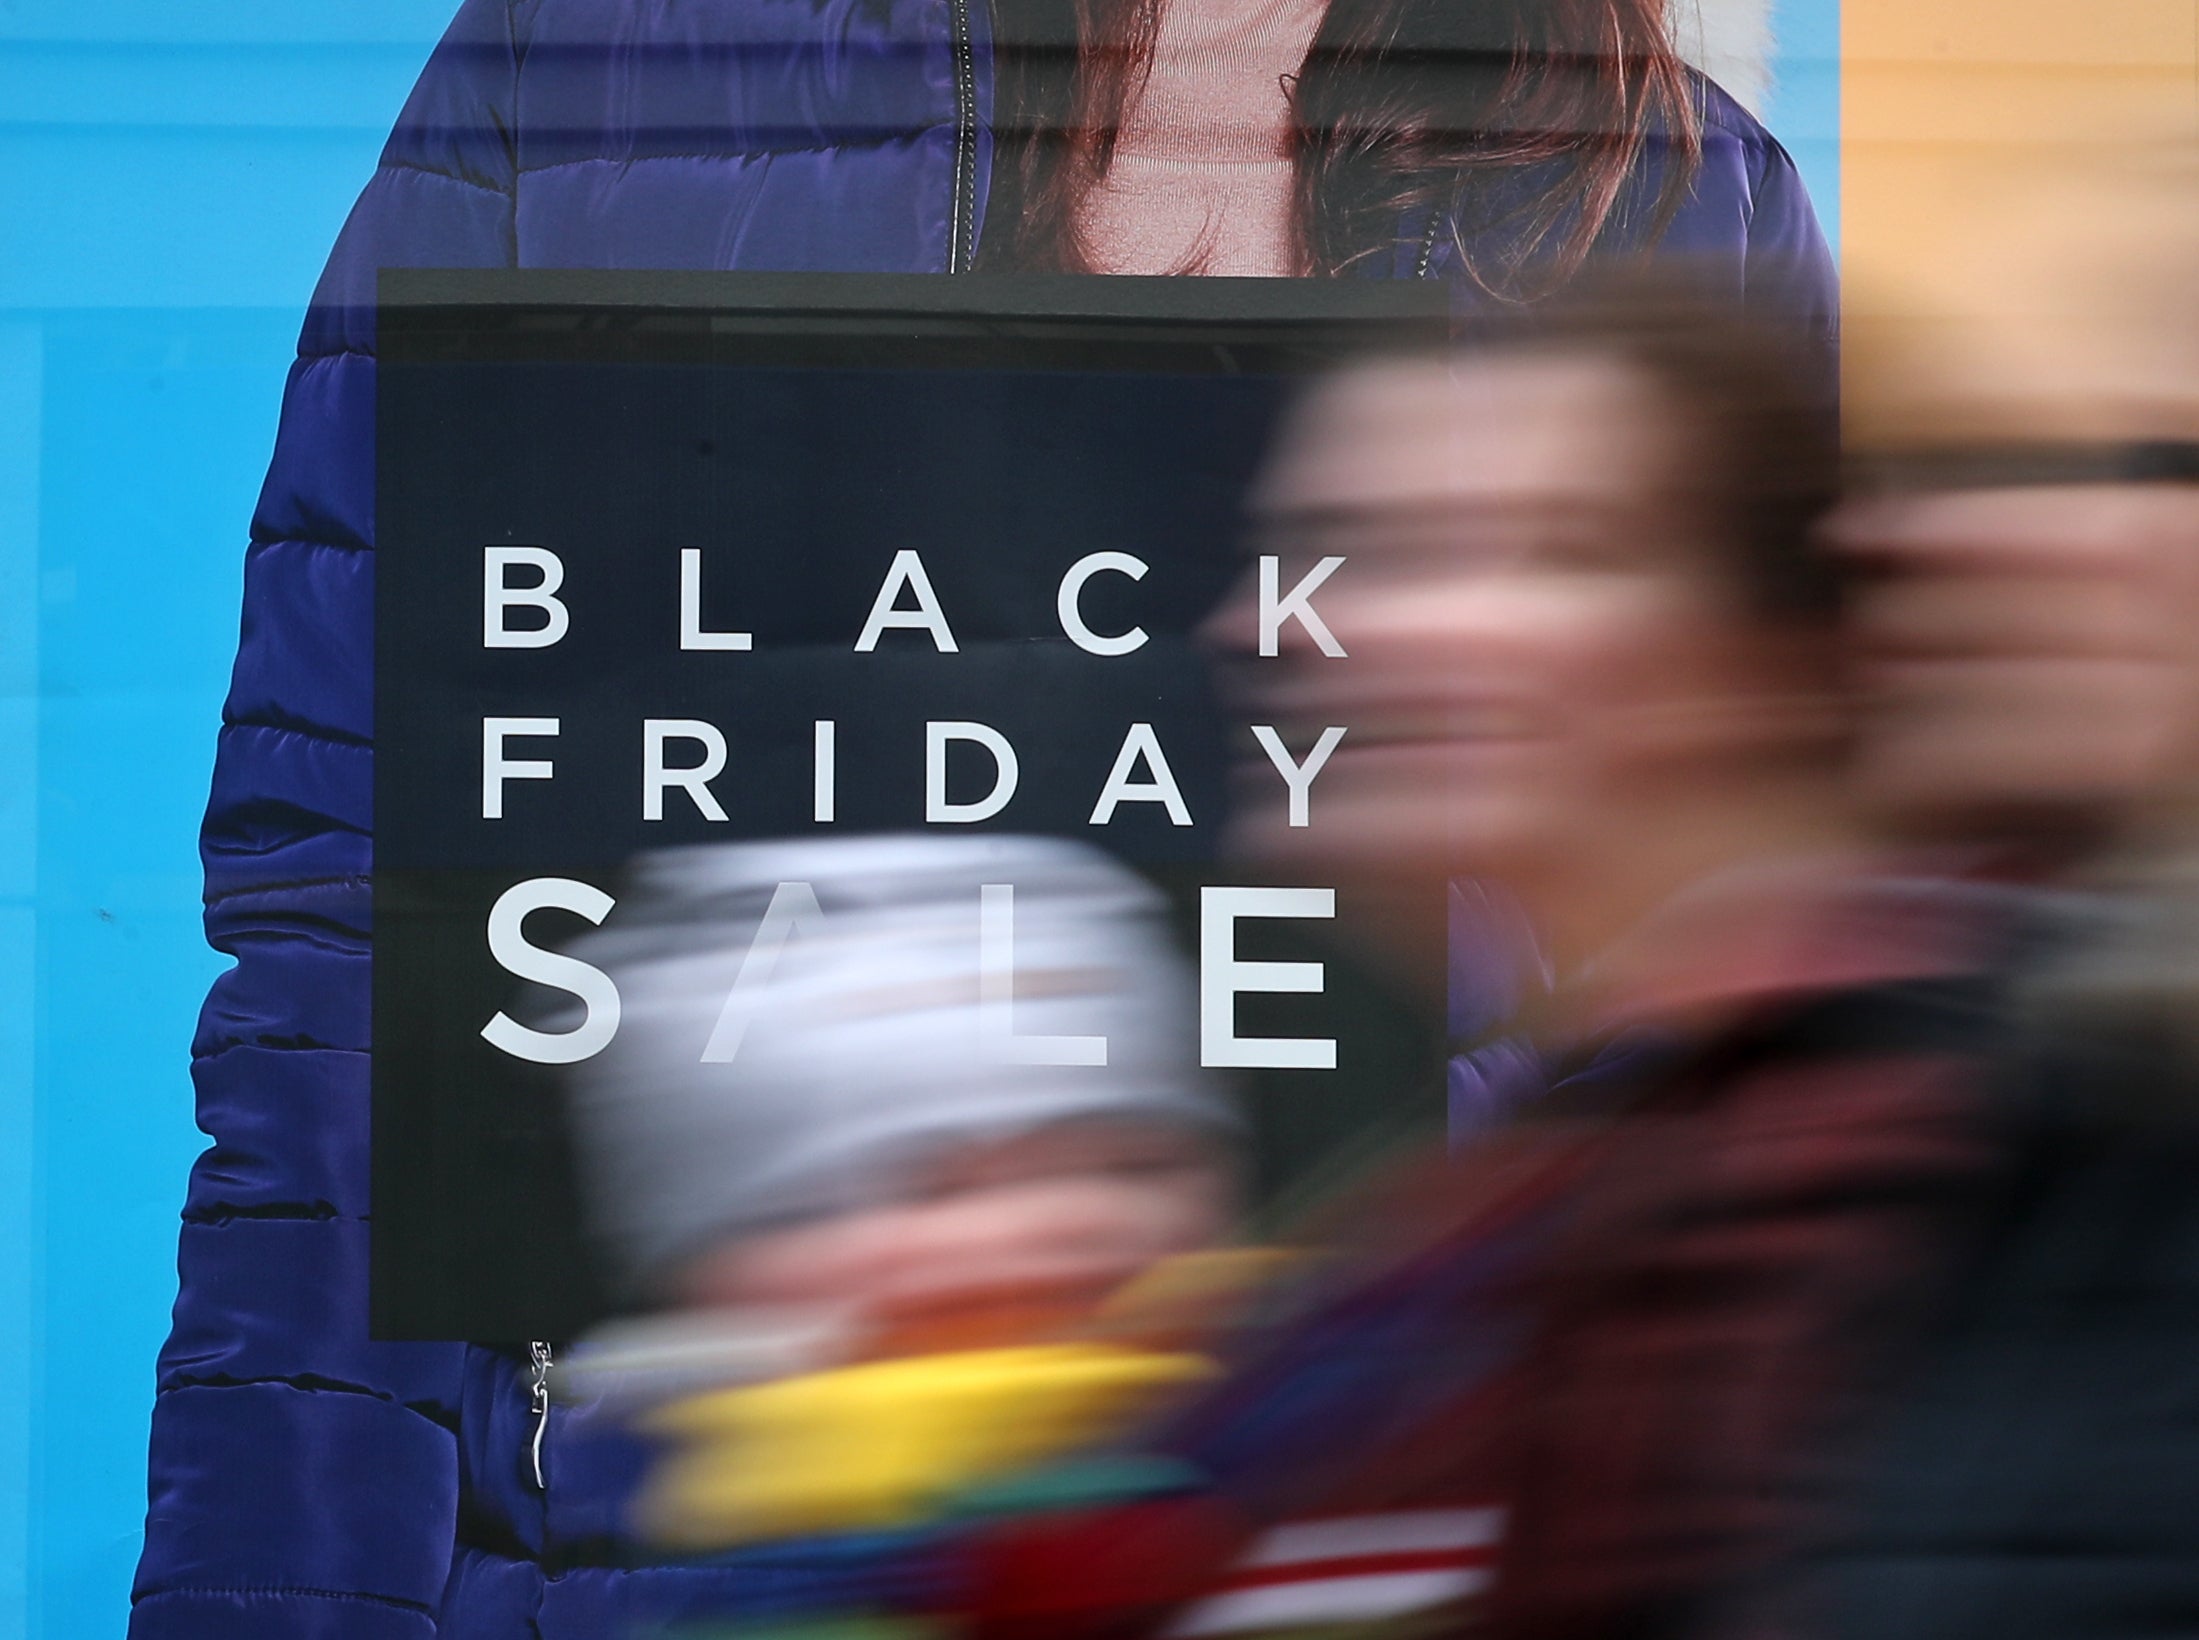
1201 178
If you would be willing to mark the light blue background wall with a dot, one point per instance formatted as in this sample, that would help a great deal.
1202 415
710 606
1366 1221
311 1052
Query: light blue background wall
170 177
1803 109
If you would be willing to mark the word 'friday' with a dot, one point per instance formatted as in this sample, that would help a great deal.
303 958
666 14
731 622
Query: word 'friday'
1140 774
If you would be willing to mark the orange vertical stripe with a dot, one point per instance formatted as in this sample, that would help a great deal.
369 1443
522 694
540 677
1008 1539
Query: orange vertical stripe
1945 104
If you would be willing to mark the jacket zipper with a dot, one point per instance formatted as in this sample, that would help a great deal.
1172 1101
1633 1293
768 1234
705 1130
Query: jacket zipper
1424 263
538 1397
962 225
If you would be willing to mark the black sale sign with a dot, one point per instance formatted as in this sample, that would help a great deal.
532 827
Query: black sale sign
671 559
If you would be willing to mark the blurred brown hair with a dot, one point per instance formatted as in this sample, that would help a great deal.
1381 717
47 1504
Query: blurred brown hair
1763 433
1522 120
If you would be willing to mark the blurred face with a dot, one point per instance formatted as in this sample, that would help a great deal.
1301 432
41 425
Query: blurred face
1541 655
2025 652
993 1237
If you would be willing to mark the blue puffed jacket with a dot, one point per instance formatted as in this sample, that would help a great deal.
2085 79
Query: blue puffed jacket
305 1481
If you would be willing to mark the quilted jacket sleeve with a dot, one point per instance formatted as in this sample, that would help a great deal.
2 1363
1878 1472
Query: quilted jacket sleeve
1789 269
303 1480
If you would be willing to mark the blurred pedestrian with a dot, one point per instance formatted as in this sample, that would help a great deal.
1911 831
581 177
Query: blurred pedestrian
887 1124
1583 646
2029 530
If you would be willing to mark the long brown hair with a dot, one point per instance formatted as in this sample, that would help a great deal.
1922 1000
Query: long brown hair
1519 122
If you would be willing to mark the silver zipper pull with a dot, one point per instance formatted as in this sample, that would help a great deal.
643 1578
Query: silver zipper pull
538 1397
1425 262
